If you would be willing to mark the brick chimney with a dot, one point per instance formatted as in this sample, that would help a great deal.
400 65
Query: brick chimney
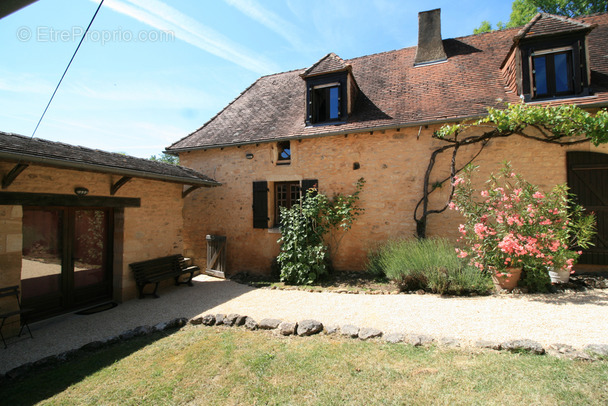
430 45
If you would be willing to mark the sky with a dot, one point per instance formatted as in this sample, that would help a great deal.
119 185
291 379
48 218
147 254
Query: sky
150 72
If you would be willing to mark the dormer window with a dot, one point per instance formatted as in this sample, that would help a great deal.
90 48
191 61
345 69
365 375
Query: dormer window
330 91
325 99
552 73
550 59
325 103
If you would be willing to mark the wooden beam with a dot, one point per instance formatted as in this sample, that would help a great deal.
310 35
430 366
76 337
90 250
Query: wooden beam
120 183
48 199
12 175
189 190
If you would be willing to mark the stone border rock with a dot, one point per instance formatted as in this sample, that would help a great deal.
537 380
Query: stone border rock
591 352
304 328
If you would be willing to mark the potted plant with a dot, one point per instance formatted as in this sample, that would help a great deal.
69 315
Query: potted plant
511 224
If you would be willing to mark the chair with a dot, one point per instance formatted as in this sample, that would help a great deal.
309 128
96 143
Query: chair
8 292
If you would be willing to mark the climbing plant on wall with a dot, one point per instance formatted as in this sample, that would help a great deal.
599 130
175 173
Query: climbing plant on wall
560 125
311 232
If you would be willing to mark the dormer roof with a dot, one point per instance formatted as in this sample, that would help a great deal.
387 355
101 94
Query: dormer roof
330 63
543 24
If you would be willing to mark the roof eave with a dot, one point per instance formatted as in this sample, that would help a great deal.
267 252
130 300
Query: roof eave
331 133
66 164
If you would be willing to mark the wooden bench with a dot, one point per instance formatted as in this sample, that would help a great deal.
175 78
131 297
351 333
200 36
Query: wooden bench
11 291
158 269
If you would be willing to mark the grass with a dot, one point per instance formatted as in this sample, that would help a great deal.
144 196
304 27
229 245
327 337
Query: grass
219 366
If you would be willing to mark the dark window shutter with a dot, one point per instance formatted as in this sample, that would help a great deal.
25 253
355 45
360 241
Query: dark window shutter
579 68
260 204
308 184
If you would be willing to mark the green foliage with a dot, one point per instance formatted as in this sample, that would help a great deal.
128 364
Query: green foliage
559 121
430 264
535 279
485 26
305 256
166 158
522 11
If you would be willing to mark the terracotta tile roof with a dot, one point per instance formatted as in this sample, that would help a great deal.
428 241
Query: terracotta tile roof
17 148
328 64
393 93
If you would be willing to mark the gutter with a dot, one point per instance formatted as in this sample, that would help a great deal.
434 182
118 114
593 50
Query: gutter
60 163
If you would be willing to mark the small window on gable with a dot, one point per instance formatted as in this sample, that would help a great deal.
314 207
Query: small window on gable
326 103
552 73
283 153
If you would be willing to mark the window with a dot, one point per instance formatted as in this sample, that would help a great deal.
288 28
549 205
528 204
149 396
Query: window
286 195
327 99
326 103
552 73
283 153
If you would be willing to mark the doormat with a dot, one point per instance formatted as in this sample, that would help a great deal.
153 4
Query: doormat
97 309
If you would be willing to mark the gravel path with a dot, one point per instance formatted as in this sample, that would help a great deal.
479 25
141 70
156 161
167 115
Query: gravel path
574 319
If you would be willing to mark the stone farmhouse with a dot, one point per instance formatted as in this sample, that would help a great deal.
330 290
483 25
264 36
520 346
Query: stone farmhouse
73 219
374 116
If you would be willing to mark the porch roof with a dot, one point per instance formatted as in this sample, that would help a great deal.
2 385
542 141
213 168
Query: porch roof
17 148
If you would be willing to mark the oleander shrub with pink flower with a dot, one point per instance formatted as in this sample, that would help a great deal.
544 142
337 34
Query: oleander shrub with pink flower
512 223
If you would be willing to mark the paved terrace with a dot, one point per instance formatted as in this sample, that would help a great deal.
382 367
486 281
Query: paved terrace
575 319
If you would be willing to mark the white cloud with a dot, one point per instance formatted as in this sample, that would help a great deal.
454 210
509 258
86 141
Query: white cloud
24 83
271 20
163 17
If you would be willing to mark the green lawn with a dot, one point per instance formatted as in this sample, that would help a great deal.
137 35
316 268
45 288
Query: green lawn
219 366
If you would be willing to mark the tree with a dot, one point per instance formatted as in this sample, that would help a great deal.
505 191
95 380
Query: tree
560 125
522 11
166 158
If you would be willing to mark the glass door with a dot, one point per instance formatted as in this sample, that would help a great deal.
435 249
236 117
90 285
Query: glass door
42 259
66 262
91 279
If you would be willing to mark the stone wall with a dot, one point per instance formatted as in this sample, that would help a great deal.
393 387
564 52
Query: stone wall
393 162
152 230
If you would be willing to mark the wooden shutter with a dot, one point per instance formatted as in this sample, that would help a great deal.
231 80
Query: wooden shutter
260 204
308 184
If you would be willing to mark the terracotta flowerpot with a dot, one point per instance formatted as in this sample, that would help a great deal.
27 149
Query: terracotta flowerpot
507 282
559 276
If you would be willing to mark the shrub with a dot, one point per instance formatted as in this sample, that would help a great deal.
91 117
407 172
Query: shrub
430 264
511 223
305 256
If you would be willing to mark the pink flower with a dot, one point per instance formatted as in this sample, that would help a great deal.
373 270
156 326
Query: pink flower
452 206
538 195
457 181
485 193
462 254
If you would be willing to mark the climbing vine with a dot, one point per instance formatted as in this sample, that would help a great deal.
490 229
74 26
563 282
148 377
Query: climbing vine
560 125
